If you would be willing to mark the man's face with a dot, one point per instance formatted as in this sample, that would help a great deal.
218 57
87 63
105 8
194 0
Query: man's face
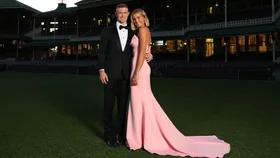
122 15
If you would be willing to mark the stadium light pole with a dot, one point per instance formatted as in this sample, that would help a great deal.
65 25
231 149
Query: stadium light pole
33 34
188 50
273 51
226 40
107 16
188 13
77 25
226 53
188 26
272 9
225 13
77 33
18 25
54 26
17 43
272 35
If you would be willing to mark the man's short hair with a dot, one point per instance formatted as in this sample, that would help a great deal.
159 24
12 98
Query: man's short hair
121 5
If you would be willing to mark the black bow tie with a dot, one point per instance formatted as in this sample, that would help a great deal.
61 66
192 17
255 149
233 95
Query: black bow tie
123 27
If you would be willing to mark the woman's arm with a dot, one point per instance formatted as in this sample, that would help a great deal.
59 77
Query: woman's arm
142 49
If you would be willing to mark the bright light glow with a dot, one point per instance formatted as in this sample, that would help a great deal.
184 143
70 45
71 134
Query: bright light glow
47 5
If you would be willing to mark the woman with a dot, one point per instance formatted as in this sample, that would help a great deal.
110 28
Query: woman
148 126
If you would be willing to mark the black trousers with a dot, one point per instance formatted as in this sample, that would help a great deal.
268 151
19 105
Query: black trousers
119 88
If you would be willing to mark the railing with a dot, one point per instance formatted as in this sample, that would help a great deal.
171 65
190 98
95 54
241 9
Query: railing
35 32
277 60
277 14
89 38
53 37
212 26
169 33
183 31
237 23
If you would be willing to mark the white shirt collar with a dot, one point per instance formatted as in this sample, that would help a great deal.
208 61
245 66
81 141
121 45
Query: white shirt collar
118 24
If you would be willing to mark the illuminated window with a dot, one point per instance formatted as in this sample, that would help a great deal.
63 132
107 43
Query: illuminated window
209 40
210 10
99 21
159 46
52 29
68 49
85 49
63 49
53 50
80 49
262 43
223 42
170 45
89 47
97 49
74 50
109 20
53 22
232 44
90 51
209 47
181 45
252 42
159 43
241 42
192 46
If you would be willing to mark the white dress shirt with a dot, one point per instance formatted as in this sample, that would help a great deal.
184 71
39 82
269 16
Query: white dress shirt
123 33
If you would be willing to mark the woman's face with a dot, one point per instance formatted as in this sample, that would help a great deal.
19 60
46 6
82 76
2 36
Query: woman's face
138 20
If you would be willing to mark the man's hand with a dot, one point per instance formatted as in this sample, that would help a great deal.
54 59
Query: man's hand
103 77
149 57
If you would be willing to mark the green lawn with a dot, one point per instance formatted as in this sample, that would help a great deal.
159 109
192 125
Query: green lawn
59 115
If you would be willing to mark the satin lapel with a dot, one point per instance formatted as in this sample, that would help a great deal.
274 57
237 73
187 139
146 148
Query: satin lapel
116 35
129 37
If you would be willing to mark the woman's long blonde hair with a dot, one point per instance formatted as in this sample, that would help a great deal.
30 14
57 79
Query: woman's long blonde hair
143 13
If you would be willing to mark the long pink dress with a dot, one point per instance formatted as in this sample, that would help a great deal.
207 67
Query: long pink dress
150 128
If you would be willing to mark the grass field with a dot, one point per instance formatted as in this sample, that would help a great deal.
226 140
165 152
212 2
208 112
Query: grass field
59 115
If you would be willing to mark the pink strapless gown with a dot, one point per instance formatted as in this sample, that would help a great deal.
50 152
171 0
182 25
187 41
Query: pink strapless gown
149 127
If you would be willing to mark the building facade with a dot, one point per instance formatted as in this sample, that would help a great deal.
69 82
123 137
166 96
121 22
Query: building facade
181 30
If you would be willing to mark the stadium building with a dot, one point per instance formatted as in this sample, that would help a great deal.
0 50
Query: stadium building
16 28
189 30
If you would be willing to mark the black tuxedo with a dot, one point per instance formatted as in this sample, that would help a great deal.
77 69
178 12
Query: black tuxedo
117 65
111 57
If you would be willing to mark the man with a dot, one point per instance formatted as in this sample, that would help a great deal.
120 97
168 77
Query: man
114 72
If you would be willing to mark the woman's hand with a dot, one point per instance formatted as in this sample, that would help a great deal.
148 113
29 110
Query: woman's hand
134 80
149 57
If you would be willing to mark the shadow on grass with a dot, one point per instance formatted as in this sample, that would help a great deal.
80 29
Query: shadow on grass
83 105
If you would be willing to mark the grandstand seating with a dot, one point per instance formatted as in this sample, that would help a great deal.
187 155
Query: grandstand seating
181 22
93 32
174 24
241 15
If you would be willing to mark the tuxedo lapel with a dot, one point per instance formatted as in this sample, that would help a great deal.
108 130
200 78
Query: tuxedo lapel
129 36
116 35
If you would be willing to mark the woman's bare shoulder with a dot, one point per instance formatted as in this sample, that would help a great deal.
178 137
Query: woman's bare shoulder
144 31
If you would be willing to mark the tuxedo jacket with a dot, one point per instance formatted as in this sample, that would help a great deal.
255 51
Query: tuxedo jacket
115 61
